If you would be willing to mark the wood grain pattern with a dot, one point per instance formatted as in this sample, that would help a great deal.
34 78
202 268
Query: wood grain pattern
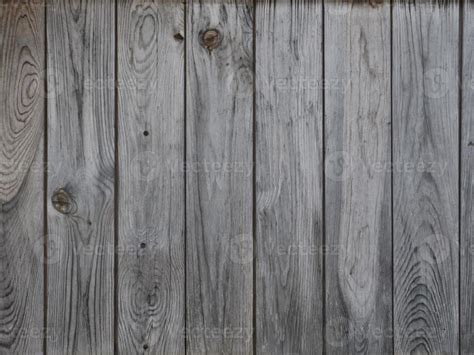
151 175
219 176
426 173
22 64
289 177
358 179
467 184
81 188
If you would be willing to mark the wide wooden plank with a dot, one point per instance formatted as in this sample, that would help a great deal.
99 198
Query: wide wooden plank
22 64
151 177
467 184
81 188
358 178
219 253
289 177
425 176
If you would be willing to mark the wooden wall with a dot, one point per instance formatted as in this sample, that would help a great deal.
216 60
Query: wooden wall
236 176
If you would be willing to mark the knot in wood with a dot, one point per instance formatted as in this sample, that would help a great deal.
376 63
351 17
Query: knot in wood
62 201
210 39
374 3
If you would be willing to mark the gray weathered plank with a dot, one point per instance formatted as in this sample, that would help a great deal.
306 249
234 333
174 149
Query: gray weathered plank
22 63
425 176
467 184
81 186
358 179
151 305
289 177
219 176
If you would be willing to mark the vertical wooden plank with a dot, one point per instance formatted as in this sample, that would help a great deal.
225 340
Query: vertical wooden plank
81 191
151 177
22 53
467 183
219 176
426 173
289 177
358 178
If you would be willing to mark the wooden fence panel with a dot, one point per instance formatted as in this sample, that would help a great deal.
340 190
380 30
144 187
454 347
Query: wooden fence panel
426 176
289 177
467 183
22 98
358 179
80 200
236 176
219 104
151 304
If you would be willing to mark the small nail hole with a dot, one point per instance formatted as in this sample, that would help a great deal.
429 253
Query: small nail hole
146 133
142 245
145 346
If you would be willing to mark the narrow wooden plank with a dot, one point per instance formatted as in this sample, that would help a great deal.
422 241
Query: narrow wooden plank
358 178
81 190
151 281
467 184
289 177
22 64
219 176
425 176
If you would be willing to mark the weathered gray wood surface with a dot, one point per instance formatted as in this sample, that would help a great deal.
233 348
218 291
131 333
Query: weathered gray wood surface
219 136
289 178
151 305
220 176
425 177
358 179
80 176
22 64
467 184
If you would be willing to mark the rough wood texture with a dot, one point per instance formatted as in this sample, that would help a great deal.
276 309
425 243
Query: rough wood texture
81 186
22 64
289 177
425 177
151 177
219 176
358 179
467 184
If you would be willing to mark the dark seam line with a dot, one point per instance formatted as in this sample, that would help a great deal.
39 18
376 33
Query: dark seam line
323 74
391 178
116 184
460 93
185 229
45 186
254 177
